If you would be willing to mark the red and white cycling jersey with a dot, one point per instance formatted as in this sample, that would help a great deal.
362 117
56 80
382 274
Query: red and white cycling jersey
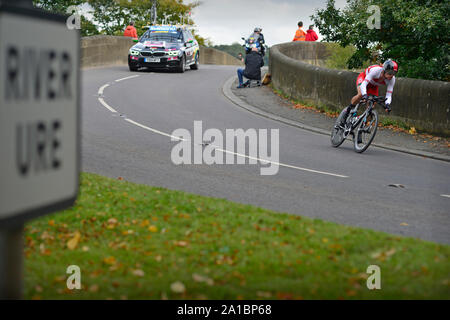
371 78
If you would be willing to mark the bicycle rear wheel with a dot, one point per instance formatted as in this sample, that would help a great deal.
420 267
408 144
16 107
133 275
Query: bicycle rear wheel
337 133
365 132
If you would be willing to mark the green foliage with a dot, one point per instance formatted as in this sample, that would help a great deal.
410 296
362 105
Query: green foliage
236 48
233 49
111 17
339 56
56 6
416 33
88 28
135 241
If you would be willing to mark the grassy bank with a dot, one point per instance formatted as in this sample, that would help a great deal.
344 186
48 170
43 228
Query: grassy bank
139 242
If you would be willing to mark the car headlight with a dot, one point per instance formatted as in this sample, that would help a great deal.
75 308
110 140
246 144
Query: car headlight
134 52
174 52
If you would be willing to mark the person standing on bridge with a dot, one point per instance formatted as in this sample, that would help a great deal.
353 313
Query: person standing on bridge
300 35
253 64
130 31
311 35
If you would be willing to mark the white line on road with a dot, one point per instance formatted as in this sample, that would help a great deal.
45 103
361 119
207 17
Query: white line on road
238 154
130 77
445 195
100 91
155 131
106 105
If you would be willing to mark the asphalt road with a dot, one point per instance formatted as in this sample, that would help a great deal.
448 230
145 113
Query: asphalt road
133 143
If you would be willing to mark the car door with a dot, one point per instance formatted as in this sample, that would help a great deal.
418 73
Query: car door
194 46
189 47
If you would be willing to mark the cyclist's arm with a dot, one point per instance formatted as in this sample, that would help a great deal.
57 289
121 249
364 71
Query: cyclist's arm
389 90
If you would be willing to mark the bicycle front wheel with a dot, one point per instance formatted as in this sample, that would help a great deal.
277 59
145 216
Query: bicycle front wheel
337 133
365 132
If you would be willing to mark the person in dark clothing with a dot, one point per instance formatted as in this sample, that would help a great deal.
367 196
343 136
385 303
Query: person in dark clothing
253 64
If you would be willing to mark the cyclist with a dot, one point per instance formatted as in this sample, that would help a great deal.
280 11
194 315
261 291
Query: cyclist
368 82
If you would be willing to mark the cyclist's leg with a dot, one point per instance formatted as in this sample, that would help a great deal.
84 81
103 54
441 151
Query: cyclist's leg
354 100
373 91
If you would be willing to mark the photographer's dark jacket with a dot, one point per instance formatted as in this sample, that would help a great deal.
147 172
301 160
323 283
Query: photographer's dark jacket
253 64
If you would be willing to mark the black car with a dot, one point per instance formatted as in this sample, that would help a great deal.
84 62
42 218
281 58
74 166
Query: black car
165 47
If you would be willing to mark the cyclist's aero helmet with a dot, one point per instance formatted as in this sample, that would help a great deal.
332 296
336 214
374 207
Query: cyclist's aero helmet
390 66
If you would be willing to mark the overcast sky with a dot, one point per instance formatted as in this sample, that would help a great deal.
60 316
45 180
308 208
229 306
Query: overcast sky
226 21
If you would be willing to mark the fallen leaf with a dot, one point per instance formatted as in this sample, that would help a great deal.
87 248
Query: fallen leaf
145 223
93 288
404 224
109 260
112 221
263 294
181 243
199 278
44 251
177 287
153 229
73 243
138 273
85 248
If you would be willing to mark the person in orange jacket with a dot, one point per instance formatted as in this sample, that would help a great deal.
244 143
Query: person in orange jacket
300 35
130 31
311 34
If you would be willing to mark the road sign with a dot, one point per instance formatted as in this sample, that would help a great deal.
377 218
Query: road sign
39 114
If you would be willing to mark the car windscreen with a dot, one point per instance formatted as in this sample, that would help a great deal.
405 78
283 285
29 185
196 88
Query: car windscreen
162 36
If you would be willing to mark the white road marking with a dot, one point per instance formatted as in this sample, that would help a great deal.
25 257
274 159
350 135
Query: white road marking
445 195
106 105
238 154
130 77
155 131
100 91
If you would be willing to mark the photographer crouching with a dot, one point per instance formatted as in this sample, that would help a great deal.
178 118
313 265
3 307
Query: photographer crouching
253 64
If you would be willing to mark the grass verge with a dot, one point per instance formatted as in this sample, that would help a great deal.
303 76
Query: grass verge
138 242
304 104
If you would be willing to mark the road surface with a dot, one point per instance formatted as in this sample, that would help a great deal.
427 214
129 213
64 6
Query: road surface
126 128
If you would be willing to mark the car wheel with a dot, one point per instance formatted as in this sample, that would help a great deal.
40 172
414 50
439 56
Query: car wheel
132 68
195 65
182 65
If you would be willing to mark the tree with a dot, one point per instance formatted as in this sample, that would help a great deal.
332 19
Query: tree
56 6
416 33
112 16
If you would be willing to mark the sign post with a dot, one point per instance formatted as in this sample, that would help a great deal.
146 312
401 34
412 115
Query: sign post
39 126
